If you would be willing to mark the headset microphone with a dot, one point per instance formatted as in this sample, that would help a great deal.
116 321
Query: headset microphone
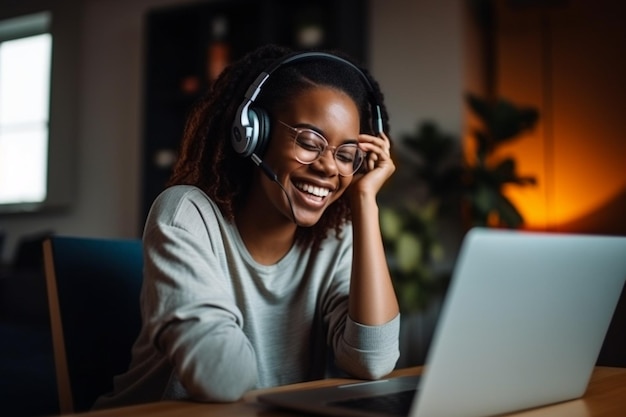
266 169
272 176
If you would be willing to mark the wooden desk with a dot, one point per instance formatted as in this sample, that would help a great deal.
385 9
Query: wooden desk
605 397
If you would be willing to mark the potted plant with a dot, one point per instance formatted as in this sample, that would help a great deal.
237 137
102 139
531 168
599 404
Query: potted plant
485 177
434 180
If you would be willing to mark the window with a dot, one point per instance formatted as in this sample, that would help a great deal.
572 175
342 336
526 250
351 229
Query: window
25 61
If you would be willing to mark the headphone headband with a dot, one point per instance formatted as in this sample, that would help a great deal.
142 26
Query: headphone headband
251 125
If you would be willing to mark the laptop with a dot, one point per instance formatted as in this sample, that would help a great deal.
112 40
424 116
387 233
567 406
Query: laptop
521 326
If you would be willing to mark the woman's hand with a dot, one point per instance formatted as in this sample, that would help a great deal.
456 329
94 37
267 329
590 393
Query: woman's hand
378 165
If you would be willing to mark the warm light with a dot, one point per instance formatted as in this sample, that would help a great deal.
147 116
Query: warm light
568 62
576 177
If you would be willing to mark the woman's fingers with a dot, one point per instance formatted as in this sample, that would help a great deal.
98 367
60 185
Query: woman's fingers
378 149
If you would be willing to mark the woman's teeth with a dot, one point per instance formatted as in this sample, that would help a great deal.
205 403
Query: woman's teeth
312 189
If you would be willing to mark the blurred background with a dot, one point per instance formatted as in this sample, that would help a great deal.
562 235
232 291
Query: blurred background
526 94
121 67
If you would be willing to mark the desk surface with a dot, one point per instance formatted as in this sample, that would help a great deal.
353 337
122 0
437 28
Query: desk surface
605 397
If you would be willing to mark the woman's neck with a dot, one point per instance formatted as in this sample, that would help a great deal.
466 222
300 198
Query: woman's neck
267 234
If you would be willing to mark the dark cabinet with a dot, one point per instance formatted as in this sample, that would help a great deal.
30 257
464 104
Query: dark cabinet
187 46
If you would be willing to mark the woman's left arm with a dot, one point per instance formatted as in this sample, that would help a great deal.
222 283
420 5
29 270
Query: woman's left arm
372 297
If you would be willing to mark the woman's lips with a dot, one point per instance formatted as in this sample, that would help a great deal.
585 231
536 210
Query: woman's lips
312 193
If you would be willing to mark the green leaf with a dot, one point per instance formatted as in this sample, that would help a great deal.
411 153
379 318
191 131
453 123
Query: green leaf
509 215
390 223
485 199
408 252
505 171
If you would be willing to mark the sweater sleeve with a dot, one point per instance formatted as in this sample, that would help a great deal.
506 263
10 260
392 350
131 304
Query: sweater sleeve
190 310
368 352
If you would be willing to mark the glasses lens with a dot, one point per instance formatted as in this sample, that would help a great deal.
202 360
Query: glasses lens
349 158
310 145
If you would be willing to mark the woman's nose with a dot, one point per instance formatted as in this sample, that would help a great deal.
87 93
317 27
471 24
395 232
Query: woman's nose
327 162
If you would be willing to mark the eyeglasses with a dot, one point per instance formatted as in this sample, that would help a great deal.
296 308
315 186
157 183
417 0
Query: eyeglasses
309 146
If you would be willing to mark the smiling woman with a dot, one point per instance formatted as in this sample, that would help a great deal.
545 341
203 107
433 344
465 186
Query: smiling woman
264 258
316 111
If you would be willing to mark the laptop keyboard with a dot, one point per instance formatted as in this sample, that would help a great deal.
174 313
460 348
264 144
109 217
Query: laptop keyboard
397 403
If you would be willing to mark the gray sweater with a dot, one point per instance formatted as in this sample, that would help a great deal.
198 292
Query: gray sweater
217 324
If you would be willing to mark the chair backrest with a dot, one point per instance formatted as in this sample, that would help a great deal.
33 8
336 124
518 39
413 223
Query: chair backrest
93 294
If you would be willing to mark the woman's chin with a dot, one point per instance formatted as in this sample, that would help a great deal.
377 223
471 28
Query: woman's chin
307 219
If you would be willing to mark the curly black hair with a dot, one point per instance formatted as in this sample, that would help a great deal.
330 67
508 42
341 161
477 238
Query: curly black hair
207 158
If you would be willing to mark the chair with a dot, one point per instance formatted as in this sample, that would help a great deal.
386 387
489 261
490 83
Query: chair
93 295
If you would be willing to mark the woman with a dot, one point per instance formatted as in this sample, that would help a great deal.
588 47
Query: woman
264 263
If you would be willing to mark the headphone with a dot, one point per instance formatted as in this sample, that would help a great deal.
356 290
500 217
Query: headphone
251 127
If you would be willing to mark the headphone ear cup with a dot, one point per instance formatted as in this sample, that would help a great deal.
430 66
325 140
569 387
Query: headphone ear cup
249 133
262 136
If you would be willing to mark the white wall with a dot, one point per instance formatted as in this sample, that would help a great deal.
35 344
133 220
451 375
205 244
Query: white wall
415 53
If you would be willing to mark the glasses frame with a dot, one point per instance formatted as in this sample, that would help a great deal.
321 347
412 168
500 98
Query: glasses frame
333 149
